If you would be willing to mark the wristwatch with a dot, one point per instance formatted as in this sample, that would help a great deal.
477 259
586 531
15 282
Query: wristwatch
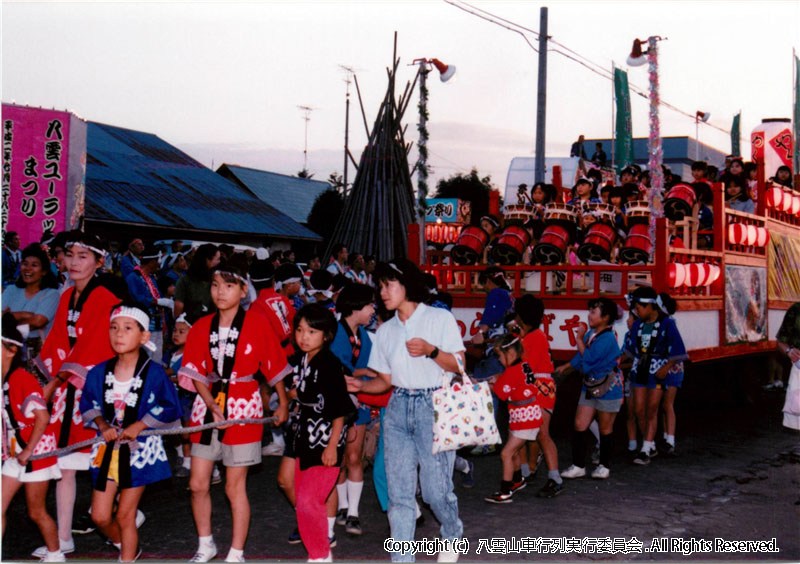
434 353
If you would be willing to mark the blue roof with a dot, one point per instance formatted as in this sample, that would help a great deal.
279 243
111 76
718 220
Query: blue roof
291 195
135 177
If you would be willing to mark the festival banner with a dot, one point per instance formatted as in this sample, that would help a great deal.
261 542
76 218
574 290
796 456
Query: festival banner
745 304
623 145
783 281
44 162
736 136
447 210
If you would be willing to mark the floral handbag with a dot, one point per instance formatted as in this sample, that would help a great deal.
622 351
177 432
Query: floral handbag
463 414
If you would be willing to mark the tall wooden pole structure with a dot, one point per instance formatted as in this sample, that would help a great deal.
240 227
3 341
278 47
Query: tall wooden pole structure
541 99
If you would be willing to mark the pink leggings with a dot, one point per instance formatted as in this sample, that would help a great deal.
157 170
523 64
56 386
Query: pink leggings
311 488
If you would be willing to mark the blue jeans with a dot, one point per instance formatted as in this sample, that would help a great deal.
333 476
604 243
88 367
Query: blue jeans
408 440
379 470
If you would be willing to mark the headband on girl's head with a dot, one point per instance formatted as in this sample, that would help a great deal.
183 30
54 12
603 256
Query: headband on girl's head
393 266
233 274
85 246
12 342
491 220
280 284
133 312
511 342
183 319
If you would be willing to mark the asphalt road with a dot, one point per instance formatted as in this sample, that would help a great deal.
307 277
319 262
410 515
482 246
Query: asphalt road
734 479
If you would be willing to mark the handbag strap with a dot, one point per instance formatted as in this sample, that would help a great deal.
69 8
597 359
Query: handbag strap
447 379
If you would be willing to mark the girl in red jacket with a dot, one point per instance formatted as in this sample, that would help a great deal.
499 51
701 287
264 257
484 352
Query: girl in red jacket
527 394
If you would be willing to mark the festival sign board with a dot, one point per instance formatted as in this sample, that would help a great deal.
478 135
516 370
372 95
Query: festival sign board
448 210
783 278
44 166
745 304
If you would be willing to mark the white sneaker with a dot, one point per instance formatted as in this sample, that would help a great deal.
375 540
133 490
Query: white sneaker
66 548
273 449
447 556
54 557
230 558
600 473
573 472
216 477
140 518
205 552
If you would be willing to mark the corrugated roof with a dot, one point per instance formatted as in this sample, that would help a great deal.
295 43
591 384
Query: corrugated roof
135 177
291 195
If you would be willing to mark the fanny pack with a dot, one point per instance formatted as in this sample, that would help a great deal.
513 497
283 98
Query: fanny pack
598 387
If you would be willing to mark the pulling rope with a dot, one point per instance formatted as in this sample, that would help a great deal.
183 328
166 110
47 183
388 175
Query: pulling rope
171 431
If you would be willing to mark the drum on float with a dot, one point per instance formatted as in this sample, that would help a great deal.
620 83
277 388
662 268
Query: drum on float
637 245
603 212
469 246
565 215
552 246
637 212
679 202
517 214
508 248
598 242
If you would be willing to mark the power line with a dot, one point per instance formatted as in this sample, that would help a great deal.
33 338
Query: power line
574 56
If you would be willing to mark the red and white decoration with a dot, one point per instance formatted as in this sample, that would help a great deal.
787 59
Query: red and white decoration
692 275
748 235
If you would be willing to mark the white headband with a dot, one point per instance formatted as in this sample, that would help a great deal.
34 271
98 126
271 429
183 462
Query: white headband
394 267
85 246
12 342
240 278
151 256
511 342
182 319
134 313
280 283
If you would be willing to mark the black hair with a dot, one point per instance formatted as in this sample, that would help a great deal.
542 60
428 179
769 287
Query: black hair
616 192
711 173
352 258
340 281
134 305
315 256
262 273
78 236
736 180
354 297
492 219
320 318
407 274
321 279
198 269
337 248
530 310
703 192
736 160
232 270
648 293
58 242
163 283
548 189
607 188
629 189
509 341
700 165
48 279
496 275
592 191
10 331
383 314
784 182
368 258
607 308
749 167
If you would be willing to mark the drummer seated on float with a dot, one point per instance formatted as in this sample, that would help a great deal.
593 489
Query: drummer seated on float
704 214
699 171
616 195
630 192
490 224
605 193
583 193
628 176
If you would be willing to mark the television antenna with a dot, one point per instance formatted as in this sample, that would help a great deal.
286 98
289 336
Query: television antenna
307 118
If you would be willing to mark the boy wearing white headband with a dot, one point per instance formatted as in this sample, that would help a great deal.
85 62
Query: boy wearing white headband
122 397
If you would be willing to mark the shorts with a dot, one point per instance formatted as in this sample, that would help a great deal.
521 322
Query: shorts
13 469
626 386
288 438
673 380
364 415
248 454
604 405
75 461
526 434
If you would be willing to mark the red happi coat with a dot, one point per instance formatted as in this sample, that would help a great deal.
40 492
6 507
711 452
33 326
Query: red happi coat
280 312
92 346
22 395
527 394
257 350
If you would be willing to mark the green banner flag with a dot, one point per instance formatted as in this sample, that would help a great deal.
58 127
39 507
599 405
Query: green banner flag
623 146
736 136
796 113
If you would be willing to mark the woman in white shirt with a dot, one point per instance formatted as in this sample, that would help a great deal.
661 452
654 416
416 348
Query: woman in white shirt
410 352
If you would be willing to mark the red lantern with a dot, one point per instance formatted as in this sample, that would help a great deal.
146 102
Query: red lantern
788 200
763 237
795 205
714 272
696 275
775 198
677 274
752 235
737 233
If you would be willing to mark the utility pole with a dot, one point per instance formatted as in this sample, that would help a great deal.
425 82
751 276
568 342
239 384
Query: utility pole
541 101
350 71
307 118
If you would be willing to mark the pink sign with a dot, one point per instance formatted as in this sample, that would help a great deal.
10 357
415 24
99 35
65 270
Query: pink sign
35 159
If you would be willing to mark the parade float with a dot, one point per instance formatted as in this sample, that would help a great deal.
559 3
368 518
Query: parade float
732 292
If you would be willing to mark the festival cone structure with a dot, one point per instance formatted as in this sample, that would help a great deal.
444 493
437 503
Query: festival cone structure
380 206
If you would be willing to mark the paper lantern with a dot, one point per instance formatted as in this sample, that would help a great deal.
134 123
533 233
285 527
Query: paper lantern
775 198
737 233
714 272
795 205
752 235
763 237
696 274
788 200
677 274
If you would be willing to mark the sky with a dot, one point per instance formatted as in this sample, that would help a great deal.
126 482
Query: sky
223 81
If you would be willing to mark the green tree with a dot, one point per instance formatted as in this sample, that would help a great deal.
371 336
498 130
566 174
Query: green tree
470 187
325 213
337 182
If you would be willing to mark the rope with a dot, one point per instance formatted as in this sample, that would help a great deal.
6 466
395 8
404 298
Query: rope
149 432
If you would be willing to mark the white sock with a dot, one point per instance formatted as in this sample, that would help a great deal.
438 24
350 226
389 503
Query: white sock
206 541
179 450
187 462
118 545
277 438
595 429
353 497
461 465
632 444
52 555
234 555
647 446
670 439
331 523
419 511
526 469
341 489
